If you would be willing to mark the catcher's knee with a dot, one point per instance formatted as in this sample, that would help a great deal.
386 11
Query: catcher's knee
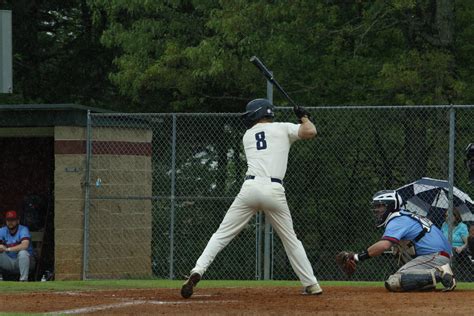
393 283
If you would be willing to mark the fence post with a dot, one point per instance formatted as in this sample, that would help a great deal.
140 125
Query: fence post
85 254
172 197
268 242
258 245
452 136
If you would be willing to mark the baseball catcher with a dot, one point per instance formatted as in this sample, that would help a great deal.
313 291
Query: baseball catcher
420 245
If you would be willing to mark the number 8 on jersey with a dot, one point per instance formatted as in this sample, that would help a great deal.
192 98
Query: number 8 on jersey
261 142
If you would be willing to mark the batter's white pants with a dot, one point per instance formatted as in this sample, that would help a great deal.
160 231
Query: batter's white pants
255 195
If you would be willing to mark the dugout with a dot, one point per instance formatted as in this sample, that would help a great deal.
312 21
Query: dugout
43 165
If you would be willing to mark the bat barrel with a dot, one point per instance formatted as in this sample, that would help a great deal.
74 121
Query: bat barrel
260 65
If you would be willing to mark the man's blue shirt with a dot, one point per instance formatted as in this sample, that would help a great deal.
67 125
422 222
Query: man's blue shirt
9 240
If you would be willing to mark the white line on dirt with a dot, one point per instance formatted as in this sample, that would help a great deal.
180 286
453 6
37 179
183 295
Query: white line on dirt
186 302
95 308
91 309
74 293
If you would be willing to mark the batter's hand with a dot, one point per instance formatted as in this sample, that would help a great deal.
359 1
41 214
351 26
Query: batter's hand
345 260
301 112
3 248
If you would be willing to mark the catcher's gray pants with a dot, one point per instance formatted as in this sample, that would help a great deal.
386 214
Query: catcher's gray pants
419 271
259 194
22 264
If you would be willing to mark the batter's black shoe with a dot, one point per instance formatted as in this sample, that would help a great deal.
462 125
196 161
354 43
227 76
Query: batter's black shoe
188 286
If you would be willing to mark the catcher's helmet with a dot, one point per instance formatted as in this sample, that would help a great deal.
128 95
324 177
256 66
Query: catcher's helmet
383 203
256 110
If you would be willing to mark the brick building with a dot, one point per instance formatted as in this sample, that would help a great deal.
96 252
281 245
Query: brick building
43 161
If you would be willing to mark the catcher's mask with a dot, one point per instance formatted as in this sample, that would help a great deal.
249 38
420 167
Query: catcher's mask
256 110
383 203
469 161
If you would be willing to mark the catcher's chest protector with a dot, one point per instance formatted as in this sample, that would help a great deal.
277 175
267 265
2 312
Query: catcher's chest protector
424 222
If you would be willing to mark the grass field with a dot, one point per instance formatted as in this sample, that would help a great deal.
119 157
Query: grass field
11 287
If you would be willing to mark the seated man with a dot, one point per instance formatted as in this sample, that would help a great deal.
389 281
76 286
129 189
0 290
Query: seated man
16 251
433 251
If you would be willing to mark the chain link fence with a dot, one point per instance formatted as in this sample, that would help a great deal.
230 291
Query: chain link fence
161 184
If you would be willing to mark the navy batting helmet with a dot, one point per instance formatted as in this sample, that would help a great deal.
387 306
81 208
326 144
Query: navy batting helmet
256 110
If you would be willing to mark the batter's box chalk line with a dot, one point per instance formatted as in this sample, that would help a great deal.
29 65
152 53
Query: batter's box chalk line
96 308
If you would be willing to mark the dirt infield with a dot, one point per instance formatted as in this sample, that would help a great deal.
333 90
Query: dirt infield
233 301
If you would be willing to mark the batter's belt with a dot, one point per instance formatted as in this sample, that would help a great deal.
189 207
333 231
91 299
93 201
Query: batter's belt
271 179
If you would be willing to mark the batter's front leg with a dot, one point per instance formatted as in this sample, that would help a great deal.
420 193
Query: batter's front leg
234 221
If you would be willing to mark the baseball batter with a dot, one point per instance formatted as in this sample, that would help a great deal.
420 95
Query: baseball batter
431 248
266 145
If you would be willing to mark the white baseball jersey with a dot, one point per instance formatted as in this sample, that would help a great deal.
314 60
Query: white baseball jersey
267 146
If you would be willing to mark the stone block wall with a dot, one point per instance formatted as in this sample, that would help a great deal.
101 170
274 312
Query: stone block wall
120 223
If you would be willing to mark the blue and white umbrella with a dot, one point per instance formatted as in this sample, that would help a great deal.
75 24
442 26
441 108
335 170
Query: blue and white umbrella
429 197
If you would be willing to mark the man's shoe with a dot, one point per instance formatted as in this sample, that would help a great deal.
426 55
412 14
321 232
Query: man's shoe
314 289
447 277
188 286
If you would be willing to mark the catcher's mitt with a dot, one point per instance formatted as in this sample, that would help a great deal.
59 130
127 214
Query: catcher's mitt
345 260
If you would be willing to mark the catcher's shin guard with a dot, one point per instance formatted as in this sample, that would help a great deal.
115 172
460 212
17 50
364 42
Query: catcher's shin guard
393 283
411 282
444 274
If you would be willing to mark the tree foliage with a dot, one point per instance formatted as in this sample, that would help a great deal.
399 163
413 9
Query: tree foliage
193 55
189 55
57 56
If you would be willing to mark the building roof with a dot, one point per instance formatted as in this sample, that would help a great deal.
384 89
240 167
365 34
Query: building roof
36 115
66 107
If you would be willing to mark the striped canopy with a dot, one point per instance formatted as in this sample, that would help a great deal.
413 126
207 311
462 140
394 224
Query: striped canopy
429 197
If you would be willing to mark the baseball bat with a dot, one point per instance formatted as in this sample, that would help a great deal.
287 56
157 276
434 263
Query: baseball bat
260 65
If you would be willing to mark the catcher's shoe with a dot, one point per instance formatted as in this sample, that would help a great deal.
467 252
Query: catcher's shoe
314 289
188 286
447 277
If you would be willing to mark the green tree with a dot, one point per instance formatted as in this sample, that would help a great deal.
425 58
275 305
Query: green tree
57 56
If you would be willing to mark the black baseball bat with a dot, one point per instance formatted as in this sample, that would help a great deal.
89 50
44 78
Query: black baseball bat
260 65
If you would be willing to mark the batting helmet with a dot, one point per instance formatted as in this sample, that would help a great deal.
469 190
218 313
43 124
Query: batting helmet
383 203
256 110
